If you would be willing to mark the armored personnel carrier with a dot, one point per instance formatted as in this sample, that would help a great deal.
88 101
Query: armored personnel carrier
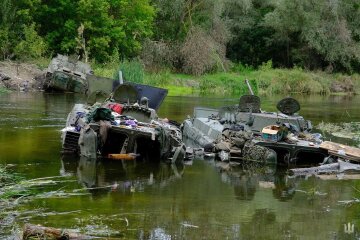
238 129
123 125
67 75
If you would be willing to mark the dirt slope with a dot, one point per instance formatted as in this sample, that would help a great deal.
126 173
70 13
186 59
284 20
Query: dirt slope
21 76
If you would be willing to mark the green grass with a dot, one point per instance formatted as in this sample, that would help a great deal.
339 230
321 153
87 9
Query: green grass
182 91
4 90
265 80
7 179
269 81
105 70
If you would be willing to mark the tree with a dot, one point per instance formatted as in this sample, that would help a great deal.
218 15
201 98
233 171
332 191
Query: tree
107 25
194 31
16 17
249 42
32 46
59 21
317 28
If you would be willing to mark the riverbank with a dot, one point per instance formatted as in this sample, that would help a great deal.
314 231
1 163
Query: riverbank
265 80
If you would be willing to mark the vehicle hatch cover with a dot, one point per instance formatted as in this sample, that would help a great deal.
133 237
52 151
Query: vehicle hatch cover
288 106
249 103
125 93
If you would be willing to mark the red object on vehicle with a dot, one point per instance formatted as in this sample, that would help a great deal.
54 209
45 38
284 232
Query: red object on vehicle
116 107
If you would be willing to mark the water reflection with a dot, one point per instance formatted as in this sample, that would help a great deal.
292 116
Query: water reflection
242 203
103 176
246 179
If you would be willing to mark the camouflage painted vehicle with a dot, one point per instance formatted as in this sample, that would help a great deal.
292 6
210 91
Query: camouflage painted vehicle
67 75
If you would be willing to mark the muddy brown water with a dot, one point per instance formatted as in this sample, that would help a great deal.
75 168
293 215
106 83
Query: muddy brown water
161 201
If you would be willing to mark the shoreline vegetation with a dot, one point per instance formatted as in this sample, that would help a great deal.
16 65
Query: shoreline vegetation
265 80
194 47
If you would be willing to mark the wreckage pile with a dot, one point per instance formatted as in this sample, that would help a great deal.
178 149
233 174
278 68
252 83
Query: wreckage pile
123 123
239 145
121 128
245 132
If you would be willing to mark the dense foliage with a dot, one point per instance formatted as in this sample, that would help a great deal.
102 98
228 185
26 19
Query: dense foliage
193 36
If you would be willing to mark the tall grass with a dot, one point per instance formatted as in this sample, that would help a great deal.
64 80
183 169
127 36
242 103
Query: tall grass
133 71
295 80
162 79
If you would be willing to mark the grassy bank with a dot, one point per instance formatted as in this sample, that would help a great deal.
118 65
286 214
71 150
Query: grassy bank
265 80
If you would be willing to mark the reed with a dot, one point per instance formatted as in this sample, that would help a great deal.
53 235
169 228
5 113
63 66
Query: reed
133 71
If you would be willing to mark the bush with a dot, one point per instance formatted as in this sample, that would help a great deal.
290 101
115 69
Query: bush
240 68
157 55
201 53
286 81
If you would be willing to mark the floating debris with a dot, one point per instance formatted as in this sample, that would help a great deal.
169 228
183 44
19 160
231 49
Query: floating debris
188 225
31 231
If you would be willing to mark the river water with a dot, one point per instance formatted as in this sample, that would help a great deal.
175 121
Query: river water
161 201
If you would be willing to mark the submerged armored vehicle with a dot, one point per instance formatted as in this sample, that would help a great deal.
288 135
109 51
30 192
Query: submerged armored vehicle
246 121
123 126
67 75
236 131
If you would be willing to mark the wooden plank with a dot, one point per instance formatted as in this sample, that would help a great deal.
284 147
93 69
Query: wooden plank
336 147
346 157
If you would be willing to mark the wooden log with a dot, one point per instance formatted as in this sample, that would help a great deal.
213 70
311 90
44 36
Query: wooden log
327 168
40 232
338 167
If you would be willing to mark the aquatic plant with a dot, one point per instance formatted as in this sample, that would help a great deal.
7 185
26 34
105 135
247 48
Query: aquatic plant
4 90
5 177
350 130
15 190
